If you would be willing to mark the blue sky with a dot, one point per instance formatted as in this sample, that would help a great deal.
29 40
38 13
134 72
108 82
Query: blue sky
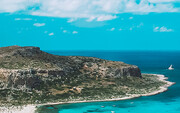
91 24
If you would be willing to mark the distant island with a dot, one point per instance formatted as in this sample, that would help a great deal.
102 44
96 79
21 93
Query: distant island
29 76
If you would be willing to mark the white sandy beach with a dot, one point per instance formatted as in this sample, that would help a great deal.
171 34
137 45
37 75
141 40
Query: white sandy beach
32 108
21 109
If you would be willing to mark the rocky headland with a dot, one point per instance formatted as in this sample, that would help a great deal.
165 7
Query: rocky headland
31 76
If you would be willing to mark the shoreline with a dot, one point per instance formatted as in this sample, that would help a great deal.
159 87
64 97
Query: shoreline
32 108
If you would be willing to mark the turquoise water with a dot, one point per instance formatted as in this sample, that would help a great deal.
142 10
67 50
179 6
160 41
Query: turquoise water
149 62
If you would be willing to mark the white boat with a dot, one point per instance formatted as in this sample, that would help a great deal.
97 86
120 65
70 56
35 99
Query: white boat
170 67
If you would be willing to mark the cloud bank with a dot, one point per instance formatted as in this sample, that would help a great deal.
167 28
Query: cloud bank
99 10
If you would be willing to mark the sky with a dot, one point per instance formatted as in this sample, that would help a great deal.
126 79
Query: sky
91 24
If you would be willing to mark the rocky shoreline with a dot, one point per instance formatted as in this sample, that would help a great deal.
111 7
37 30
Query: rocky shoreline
33 108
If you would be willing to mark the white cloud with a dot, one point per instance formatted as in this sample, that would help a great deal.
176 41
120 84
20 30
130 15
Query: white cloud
27 18
99 10
162 29
162 1
51 34
17 19
71 20
130 18
74 32
91 19
156 29
22 19
39 24
106 17
64 31
112 29
132 27
12 5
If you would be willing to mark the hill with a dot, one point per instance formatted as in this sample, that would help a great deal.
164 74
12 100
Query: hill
29 75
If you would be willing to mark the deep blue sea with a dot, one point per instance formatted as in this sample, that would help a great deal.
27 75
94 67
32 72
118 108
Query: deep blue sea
149 62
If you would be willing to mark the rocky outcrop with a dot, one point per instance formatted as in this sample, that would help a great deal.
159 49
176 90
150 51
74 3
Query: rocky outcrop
29 67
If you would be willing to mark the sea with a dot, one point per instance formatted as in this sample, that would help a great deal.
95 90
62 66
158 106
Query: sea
156 62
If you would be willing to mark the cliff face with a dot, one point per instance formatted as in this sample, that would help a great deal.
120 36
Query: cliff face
29 68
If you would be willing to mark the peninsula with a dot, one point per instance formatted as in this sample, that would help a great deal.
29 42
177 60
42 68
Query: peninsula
31 76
